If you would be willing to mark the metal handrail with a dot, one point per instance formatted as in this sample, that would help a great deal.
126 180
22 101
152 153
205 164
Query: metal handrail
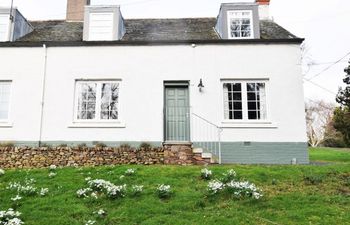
208 145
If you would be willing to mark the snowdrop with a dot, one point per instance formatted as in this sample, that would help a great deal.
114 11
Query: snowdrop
101 212
114 191
90 222
163 191
27 188
94 195
206 174
243 189
136 189
10 217
2 172
229 176
53 167
52 174
215 186
130 172
84 192
16 198
43 191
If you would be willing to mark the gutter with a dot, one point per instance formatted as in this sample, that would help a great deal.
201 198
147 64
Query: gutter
42 95
149 43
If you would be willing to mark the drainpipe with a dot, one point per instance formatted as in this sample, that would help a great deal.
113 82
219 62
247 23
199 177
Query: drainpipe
42 95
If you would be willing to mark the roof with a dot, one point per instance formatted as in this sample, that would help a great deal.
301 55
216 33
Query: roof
148 30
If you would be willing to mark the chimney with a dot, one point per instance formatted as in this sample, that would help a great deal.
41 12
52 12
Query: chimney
264 9
75 10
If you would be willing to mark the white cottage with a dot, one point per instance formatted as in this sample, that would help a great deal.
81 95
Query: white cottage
231 85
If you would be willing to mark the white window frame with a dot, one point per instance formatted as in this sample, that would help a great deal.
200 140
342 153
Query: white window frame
230 16
6 122
97 119
245 122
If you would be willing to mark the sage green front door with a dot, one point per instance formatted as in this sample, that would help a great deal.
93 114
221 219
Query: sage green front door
177 114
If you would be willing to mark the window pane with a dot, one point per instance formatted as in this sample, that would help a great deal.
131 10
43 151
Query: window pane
5 87
109 101
252 115
251 96
86 101
256 101
233 101
237 105
238 115
252 106
240 24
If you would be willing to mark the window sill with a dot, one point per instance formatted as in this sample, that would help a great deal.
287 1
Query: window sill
248 124
6 124
113 124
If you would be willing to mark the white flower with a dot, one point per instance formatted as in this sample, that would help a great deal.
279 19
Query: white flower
114 191
94 195
53 167
137 189
17 198
88 179
9 217
129 172
2 172
230 173
244 188
90 222
206 174
121 177
101 212
215 186
83 193
43 191
164 191
14 221
52 174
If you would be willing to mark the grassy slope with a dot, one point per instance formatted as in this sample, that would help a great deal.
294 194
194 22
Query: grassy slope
330 155
289 201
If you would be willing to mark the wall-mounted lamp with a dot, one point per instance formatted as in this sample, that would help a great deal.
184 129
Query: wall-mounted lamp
200 85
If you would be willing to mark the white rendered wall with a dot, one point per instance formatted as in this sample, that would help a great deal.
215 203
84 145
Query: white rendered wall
142 70
24 67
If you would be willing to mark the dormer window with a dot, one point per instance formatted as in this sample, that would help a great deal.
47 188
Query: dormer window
238 21
103 23
240 24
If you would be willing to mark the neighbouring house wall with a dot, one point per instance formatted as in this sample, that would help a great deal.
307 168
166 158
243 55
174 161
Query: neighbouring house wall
142 71
21 26
25 68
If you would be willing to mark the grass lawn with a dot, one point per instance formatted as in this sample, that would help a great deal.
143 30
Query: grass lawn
330 155
292 195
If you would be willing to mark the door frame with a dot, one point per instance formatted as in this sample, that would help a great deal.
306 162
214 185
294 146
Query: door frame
180 84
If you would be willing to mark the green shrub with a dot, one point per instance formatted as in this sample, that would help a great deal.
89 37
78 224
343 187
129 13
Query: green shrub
98 144
7 144
145 145
125 145
81 145
313 179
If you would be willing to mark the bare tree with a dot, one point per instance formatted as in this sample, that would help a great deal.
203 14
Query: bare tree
318 116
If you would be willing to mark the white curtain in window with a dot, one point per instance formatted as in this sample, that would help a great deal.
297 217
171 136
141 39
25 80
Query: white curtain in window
262 93
226 106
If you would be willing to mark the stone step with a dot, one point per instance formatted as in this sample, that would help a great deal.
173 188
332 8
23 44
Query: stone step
197 150
206 155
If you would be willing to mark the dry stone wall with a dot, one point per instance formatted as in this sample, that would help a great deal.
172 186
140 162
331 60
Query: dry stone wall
28 157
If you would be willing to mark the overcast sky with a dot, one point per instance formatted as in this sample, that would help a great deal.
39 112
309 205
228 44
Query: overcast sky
324 24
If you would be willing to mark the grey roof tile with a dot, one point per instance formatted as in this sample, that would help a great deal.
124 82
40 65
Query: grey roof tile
147 30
